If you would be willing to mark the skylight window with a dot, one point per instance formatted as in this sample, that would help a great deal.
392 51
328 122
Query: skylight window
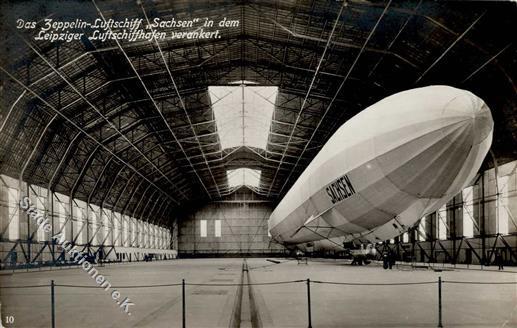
243 114
243 176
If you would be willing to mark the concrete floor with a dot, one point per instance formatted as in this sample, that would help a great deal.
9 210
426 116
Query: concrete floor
271 305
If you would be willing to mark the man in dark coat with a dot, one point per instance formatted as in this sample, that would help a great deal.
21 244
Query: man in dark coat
499 260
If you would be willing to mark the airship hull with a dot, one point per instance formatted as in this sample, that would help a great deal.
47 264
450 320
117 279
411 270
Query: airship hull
388 166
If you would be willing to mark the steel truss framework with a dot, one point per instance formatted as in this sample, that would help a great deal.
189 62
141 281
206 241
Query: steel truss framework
126 126
481 248
93 230
484 255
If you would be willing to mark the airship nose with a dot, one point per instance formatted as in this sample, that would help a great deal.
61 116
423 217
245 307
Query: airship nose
475 115
483 123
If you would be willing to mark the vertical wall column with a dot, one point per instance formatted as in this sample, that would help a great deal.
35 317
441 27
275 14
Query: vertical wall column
124 230
134 233
431 227
25 227
140 227
455 217
9 209
106 240
149 234
38 198
511 200
143 243
147 226
490 202
116 218
96 225
80 224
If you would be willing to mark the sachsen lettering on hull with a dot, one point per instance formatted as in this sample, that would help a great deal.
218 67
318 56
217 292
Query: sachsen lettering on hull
340 189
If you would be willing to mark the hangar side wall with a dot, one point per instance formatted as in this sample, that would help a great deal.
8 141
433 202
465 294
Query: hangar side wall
106 234
472 227
243 229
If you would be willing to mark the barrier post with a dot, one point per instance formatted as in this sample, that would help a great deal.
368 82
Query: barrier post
184 325
52 303
440 302
309 302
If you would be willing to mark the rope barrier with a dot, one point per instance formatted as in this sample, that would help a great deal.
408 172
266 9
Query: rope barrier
374 284
26 286
481 282
254 284
308 282
151 286
120 287
278 283
76 286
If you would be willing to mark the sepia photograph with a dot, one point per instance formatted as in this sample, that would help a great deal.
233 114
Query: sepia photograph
258 163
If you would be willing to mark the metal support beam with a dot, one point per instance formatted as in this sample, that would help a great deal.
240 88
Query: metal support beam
82 130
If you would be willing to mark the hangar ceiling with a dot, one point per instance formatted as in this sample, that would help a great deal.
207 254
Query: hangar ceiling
113 123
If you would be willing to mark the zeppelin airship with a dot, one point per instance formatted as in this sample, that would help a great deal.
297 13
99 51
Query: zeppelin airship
385 168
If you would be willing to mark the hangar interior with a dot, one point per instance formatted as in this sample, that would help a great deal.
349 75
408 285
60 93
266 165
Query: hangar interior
179 149
185 146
